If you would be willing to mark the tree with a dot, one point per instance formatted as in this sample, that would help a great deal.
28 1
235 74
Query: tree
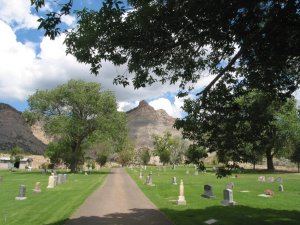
178 40
77 113
16 155
245 45
144 155
240 129
167 148
126 154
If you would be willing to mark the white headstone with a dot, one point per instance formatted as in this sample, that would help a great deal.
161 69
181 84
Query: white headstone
37 187
228 197
181 200
51 182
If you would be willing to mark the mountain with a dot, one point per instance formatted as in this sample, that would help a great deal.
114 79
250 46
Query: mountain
15 132
144 121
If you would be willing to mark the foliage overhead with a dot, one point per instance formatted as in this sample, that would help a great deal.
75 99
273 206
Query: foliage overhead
176 41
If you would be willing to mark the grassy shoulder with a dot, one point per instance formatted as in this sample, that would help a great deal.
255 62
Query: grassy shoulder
280 209
51 206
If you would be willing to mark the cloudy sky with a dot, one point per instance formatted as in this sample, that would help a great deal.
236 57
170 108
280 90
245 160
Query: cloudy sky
30 61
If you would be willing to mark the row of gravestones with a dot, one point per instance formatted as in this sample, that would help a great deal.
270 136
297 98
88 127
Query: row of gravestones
269 179
53 181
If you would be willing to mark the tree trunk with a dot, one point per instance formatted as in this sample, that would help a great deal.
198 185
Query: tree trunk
254 166
74 157
269 156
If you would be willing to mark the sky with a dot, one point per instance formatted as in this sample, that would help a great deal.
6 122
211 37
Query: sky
29 62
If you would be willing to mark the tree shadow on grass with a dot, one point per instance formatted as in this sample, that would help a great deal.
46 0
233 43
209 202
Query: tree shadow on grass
237 215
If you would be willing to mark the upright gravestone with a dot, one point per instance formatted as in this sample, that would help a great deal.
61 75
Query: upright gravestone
181 200
22 193
279 180
196 173
150 178
37 187
51 181
228 197
229 185
280 188
270 179
174 182
59 179
187 172
141 175
65 177
208 191
55 180
261 178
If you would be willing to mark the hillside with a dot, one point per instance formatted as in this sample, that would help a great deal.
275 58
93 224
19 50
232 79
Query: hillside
15 132
144 121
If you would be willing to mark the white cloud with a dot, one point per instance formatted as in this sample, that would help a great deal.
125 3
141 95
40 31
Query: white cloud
17 14
173 110
69 20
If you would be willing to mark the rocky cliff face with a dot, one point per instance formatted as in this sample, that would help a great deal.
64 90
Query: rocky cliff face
144 121
15 132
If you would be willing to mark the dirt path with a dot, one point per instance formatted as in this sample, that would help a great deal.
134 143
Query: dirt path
118 202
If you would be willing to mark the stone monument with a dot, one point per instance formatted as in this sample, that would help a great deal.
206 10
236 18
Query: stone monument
51 181
228 197
181 200
37 187
208 191
22 193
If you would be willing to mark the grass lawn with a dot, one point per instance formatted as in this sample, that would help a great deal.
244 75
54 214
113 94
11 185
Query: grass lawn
281 209
51 206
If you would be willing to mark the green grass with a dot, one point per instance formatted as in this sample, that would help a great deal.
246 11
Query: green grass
51 206
283 208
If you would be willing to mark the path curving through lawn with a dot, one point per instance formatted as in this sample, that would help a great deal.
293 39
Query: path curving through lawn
118 202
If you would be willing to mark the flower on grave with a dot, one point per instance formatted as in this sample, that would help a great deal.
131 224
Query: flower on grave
269 192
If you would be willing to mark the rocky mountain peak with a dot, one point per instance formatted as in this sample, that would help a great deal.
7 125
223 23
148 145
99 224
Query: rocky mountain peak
144 121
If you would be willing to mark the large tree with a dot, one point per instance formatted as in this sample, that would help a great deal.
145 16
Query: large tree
245 45
77 113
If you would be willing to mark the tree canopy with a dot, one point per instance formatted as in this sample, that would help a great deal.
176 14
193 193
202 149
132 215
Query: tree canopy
77 113
245 45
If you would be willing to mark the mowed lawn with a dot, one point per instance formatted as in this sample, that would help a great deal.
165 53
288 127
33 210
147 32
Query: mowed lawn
281 209
51 206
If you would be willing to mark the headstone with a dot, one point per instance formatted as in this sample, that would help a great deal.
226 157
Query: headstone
150 178
37 187
65 178
173 167
51 181
196 173
280 188
279 180
208 191
59 179
228 197
22 193
270 179
229 185
261 178
187 172
55 180
181 200
174 182
141 175
85 173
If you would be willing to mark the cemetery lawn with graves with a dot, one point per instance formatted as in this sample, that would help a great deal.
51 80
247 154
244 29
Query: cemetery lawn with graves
280 209
50 206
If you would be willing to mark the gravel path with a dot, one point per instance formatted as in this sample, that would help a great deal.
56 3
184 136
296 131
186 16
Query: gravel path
118 202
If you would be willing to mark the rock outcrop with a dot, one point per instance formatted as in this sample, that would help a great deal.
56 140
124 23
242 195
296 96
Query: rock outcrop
15 132
144 121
